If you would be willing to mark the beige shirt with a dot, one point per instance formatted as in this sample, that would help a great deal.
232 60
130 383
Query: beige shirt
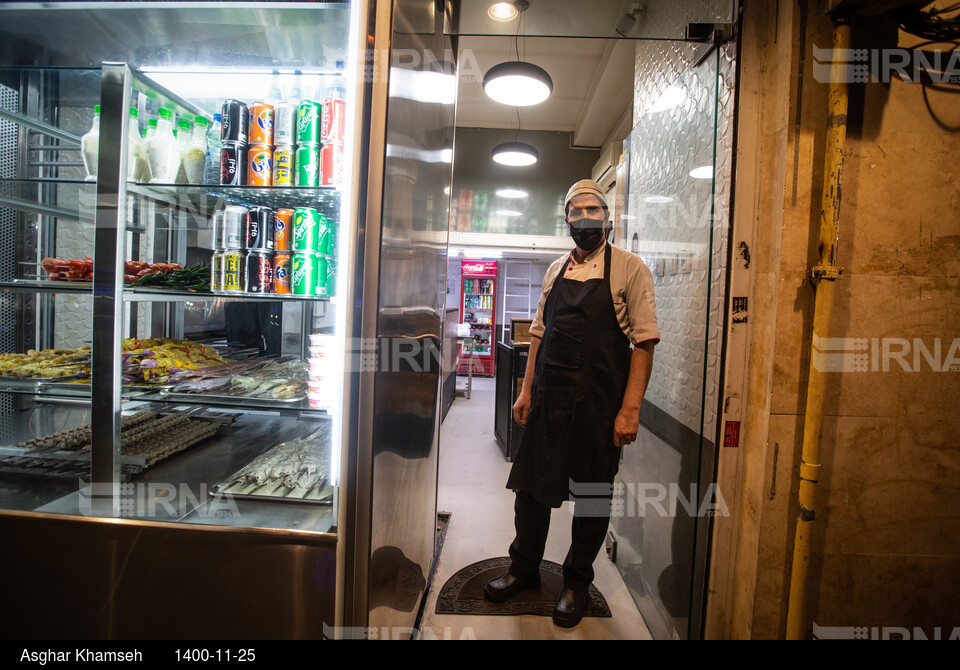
631 287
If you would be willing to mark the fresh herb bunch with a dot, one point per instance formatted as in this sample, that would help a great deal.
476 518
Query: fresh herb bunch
191 278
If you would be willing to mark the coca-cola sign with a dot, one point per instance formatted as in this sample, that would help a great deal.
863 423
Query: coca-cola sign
479 268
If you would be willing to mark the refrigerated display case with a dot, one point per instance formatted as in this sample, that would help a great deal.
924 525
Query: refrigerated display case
478 297
193 442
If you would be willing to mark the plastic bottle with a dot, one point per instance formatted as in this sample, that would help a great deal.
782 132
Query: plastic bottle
274 94
142 174
90 146
184 140
151 129
163 152
211 169
135 141
194 161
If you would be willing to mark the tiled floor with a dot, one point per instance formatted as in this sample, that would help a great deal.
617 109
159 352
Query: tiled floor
471 488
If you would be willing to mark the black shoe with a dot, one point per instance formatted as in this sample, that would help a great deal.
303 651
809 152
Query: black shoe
507 585
570 608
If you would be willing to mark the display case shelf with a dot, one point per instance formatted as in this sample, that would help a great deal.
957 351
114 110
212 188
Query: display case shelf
205 198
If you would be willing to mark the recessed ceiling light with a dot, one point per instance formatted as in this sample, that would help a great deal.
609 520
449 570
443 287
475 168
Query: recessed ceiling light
517 83
502 11
515 154
508 212
705 172
512 193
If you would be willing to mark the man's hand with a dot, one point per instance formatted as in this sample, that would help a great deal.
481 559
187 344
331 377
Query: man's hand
625 427
521 408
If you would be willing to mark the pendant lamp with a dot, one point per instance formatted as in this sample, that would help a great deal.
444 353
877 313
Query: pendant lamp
515 154
517 83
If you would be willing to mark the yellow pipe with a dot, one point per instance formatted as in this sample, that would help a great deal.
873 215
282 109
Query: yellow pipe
824 274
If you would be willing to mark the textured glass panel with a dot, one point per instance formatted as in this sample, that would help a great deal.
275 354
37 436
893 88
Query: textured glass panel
670 223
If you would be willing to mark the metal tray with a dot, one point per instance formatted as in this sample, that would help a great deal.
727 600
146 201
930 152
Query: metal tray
323 496
222 398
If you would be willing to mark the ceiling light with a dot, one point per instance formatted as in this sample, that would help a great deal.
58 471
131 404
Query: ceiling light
508 212
705 172
511 193
517 83
515 153
502 11
658 199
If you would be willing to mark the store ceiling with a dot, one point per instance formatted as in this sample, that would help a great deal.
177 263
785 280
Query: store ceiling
592 85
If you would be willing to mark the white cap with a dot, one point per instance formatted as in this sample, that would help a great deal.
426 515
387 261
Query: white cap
584 187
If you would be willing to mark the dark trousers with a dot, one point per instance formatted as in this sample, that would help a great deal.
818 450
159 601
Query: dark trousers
532 521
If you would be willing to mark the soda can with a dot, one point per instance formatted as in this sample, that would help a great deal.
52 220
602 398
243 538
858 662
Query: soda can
233 164
259 272
321 285
334 115
308 165
285 124
216 272
281 272
259 165
261 124
233 271
234 119
283 158
324 228
234 222
306 229
331 160
259 228
331 275
283 230
308 122
303 268
216 229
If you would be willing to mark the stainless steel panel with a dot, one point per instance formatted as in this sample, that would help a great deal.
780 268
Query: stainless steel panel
108 286
411 302
138 580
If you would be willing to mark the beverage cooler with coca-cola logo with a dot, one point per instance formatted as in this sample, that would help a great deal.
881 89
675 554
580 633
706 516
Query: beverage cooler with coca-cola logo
222 293
478 298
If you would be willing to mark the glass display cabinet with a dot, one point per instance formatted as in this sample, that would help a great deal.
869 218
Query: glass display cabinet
194 367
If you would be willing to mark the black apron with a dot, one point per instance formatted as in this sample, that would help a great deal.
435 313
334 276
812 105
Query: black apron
579 381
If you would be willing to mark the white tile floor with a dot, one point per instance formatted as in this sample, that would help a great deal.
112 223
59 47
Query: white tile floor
471 488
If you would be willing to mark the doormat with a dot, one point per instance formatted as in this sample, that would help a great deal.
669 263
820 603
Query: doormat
463 593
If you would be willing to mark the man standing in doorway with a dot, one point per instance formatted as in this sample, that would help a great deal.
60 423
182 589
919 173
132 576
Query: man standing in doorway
580 400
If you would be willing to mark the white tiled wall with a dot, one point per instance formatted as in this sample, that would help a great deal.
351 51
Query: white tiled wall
689 230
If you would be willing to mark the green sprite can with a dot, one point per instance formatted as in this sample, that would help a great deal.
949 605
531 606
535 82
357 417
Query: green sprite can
331 275
306 229
303 267
324 234
308 122
307 160
321 288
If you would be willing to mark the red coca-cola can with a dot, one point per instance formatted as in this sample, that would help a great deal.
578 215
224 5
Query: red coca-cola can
333 119
331 164
259 269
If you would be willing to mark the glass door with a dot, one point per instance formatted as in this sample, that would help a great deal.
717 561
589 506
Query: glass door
664 496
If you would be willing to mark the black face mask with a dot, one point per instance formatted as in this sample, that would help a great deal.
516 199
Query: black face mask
587 233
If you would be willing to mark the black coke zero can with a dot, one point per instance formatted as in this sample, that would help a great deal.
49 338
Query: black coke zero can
259 229
234 117
233 164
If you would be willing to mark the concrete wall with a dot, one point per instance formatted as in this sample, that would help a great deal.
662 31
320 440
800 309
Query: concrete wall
886 543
